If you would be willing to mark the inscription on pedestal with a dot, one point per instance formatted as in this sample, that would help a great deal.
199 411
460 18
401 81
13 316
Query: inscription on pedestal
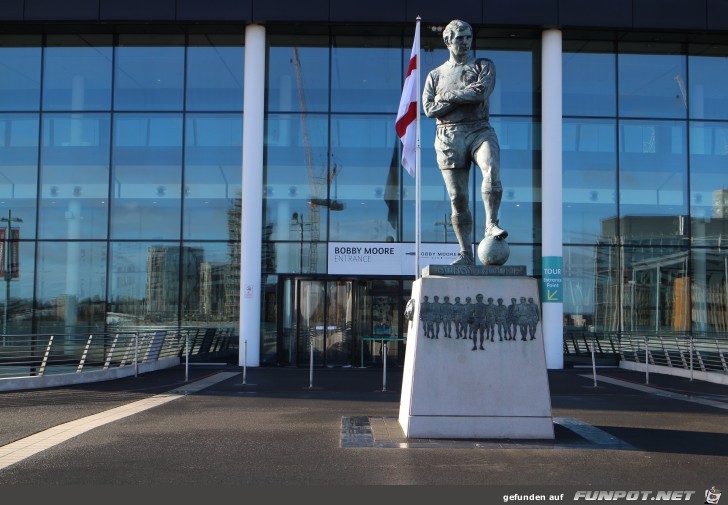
475 270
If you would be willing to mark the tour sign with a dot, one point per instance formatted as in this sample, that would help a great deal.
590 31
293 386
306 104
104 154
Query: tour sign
551 279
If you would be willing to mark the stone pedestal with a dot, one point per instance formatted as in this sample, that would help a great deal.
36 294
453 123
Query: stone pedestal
455 388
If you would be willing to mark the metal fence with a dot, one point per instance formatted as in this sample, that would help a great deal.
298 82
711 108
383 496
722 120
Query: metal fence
692 352
54 354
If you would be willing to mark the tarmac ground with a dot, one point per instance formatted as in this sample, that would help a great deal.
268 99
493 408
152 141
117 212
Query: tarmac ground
280 429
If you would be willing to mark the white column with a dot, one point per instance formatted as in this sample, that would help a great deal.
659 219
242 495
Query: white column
251 223
551 206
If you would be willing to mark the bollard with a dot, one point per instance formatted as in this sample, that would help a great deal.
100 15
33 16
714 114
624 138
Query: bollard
692 350
187 356
245 360
594 365
384 366
647 363
310 366
136 354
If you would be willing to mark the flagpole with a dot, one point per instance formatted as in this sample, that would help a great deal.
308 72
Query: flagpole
418 171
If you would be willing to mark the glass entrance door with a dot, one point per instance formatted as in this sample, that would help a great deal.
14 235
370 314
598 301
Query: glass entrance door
335 316
324 312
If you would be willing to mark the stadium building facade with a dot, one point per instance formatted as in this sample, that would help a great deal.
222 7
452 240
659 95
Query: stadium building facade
235 162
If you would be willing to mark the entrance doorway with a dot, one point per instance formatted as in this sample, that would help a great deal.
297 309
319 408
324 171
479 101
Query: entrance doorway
344 322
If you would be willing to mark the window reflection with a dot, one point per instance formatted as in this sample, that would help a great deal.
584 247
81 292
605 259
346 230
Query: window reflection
148 76
366 74
298 74
71 286
652 85
210 282
709 182
364 177
513 93
213 175
656 289
20 77
77 73
589 178
19 289
75 176
147 176
215 66
19 168
589 80
144 283
578 290
652 180
708 75
296 173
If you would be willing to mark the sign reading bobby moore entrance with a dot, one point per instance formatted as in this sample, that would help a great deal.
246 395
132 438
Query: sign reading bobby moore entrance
385 258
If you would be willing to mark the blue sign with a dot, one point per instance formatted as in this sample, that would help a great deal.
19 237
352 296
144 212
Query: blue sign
551 279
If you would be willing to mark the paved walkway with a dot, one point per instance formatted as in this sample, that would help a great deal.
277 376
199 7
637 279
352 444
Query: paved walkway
275 430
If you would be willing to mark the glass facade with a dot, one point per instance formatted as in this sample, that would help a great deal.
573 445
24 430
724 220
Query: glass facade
122 157
644 187
120 178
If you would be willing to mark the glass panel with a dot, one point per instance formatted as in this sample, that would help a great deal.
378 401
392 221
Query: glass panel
213 175
339 316
19 169
272 350
143 283
149 73
589 178
75 176
513 93
311 329
147 176
71 287
215 66
709 182
652 181
210 283
364 179
708 75
17 319
385 315
609 284
296 173
707 291
654 289
77 73
589 80
578 288
298 74
651 85
285 322
20 77
366 74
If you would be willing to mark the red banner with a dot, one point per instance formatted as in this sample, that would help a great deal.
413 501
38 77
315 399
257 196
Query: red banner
14 252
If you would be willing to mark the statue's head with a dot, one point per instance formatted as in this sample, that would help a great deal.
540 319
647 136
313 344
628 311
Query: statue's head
455 27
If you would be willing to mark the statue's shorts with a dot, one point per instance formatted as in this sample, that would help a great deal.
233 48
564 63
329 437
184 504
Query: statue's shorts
456 146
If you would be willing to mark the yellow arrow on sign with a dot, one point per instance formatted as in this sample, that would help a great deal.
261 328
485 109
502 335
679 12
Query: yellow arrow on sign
552 295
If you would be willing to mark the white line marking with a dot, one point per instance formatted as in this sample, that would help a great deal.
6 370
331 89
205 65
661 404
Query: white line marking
28 446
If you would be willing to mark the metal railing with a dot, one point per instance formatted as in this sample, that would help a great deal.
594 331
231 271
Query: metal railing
666 352
39 355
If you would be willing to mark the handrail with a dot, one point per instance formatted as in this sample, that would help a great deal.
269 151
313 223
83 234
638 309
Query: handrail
39 355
